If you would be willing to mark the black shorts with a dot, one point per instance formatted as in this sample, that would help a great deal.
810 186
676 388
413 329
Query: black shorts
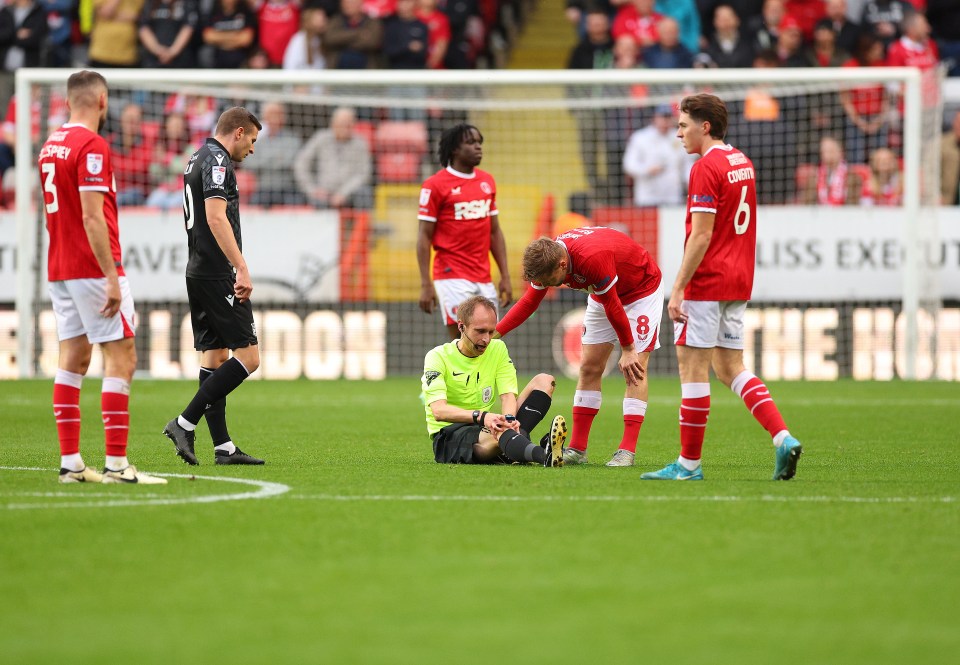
454 444
219 320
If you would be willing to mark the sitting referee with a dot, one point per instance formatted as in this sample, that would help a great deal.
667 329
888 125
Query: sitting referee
461 379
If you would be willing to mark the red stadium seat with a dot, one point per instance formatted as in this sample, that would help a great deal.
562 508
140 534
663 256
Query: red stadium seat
365 129
398 167
408 137
247 183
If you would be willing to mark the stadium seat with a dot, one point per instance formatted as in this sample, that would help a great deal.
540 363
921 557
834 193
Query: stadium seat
365 129
247 183
398 167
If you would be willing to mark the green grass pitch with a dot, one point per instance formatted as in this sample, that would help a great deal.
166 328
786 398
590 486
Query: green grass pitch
375 554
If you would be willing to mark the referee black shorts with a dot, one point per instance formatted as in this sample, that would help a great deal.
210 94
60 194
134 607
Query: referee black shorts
220 321
454 444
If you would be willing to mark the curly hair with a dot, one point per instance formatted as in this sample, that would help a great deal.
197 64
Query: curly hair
451 139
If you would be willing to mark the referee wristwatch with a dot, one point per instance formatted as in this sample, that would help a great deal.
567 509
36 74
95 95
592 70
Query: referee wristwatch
476 418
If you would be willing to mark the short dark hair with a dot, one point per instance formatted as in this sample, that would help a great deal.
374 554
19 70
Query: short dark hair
704 107
451 139
235 118
466 309
83 87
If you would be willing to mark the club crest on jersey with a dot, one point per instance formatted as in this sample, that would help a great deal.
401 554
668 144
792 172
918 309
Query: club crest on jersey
579 278
94 163
488 393
219 174
485 188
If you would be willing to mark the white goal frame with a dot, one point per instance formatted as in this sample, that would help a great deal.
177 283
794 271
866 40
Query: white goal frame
28 217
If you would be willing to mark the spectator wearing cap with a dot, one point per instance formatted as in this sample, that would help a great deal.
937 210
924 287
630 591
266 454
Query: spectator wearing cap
668 52
845 30
790 43
727 47
657 162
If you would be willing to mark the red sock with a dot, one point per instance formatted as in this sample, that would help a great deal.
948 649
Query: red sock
757 398
586 405
66 409
634 411
694 412
114 403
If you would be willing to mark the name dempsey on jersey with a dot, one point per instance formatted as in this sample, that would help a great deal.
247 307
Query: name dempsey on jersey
472 209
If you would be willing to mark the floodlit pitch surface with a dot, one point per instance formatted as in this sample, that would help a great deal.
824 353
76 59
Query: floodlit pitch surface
352 546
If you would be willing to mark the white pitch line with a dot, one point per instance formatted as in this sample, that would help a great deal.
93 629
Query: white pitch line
765 498
264 490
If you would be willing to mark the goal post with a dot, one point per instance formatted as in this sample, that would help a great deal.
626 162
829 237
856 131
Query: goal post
549 137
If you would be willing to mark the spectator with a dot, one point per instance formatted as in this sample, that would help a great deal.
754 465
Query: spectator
166 33
769 130
305 49
576 11
199 111
618 123
727 47
595 51
884 19
950 164
915 48
278 21
353 39
23 34
945 19
230 31
405 38
765 28
60 36
273 167
685 13
807 13
668 52
834 185
113 37
637 20
438 32
824 52
865 107
744 9
462 15
657 162
380 9
845 30
57 114
131 155
884 186
790 44
169 155
334 168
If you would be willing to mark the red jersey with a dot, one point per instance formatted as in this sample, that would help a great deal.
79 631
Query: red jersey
643 29
438 29
462 206
75 160
609 265
867 99
278 21
908 53
723 182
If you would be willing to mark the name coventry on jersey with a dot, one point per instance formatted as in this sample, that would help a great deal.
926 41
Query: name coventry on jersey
739 175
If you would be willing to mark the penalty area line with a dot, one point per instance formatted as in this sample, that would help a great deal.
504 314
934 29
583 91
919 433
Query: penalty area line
264 489
764 498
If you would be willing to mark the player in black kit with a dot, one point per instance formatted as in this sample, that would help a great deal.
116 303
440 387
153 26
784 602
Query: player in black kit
218 286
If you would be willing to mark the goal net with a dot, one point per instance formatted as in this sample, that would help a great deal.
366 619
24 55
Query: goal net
857 275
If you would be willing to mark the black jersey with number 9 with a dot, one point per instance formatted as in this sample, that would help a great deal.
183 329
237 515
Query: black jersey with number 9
209 174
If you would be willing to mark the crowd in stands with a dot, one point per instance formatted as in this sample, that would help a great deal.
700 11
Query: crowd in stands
848 156
781 133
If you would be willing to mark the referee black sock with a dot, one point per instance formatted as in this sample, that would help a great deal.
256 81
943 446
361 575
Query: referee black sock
533 409
216 414
519 449
216 387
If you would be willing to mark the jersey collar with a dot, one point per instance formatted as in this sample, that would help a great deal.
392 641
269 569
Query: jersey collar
468 176
723 146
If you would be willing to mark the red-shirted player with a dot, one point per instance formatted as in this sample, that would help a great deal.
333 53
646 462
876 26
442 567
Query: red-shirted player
625 305
710 294
90 295
458 218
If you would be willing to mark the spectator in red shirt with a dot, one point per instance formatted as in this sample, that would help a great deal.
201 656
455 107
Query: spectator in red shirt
835 184
865 107
279 20
132 154
915 48
884 186
438 32
638 20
